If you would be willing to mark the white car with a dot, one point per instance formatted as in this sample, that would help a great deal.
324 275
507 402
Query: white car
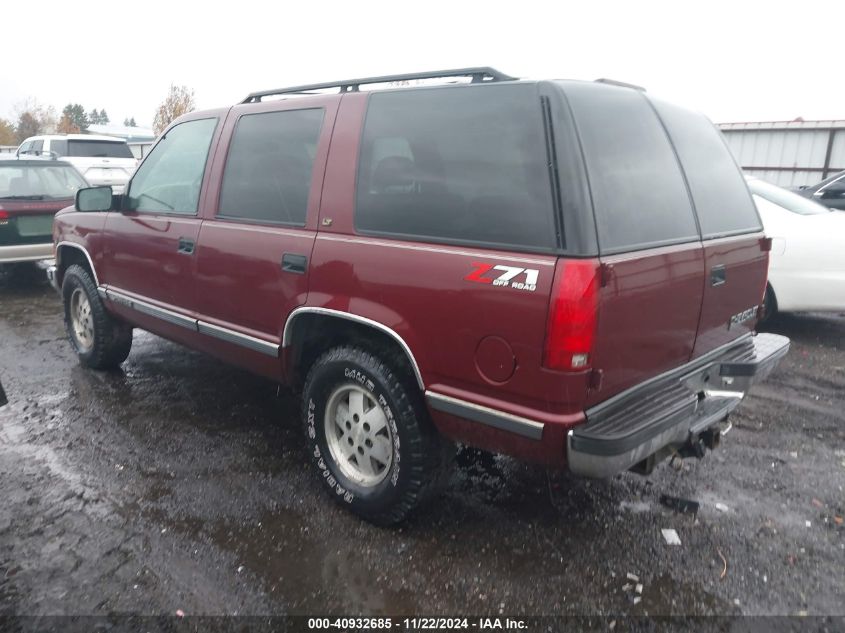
807 261
102 160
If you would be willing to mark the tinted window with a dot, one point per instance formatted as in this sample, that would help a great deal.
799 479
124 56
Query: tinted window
99 149
457 164
169 180
268 171
36 147
59 147
47 181
721 198
638 191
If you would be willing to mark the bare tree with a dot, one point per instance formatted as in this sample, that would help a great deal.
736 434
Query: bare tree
7 133
28 125
179 101
33 119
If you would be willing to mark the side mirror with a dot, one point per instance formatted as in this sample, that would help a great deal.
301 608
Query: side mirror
94 199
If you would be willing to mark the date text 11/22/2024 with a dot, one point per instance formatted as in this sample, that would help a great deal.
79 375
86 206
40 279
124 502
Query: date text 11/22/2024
417 624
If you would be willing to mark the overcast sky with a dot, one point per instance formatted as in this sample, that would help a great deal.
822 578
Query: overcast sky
734 61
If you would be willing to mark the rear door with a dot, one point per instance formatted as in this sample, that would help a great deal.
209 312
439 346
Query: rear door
649 242
254 257
735 253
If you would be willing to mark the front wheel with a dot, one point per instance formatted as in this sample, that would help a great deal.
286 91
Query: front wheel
100 340
369 435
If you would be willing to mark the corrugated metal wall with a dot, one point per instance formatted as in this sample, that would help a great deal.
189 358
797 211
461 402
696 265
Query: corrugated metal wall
788 154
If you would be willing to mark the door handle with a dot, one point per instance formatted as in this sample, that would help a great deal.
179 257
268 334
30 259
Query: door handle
718 275
292 263
186 246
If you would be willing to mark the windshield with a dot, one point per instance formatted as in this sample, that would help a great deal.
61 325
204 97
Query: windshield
39 182
99 149
786 199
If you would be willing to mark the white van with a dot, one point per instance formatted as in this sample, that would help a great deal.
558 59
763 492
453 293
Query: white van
102 160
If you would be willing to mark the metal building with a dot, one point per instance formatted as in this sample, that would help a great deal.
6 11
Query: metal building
788 153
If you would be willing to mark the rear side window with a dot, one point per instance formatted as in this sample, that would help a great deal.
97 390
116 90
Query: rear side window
99 149
268 171
462 164
719 192
638 190
58 146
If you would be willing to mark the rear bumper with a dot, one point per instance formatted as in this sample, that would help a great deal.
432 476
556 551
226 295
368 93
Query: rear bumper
25 253
670 410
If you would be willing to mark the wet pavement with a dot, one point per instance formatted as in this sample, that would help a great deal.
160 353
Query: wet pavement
179 483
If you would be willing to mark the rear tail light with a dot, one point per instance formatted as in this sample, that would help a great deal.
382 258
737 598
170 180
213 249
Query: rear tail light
4 217
573 313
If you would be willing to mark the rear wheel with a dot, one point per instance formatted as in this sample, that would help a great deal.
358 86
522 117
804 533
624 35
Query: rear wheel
770 304
369 434
100 340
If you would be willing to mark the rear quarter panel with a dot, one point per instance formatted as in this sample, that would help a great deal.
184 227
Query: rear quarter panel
473 340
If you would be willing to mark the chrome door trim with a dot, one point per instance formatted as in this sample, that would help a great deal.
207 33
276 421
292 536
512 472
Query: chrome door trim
149 309
485 415
237 338
196 325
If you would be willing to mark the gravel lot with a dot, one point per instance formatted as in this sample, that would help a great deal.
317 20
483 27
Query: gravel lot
179 483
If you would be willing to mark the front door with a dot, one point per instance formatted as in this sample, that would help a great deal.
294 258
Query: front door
151 243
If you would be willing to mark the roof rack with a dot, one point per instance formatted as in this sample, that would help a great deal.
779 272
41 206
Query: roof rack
479 74
613 82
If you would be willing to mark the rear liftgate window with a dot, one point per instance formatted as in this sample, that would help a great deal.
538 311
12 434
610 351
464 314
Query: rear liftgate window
638 190
722 201
98 149
457 165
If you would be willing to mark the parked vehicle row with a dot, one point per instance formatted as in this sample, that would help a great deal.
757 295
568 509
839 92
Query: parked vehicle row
569 272
31 191
102 160
807 262
830 192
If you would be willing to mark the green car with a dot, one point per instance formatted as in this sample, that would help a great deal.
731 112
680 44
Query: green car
31 191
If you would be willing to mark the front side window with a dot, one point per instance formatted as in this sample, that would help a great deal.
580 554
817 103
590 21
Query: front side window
268 170
169 180
464 164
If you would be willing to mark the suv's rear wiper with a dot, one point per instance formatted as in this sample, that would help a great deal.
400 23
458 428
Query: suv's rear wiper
36 197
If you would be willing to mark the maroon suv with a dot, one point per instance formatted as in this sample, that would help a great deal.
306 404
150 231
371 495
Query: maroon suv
568 272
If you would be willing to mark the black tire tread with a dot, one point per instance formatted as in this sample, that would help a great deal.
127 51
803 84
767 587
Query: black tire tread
112 338
424 452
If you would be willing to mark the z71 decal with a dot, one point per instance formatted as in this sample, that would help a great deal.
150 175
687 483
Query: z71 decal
507 276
